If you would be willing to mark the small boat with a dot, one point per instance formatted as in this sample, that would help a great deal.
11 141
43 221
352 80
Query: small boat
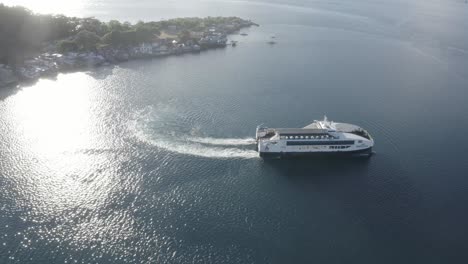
271 42
319 138
233 43
243 34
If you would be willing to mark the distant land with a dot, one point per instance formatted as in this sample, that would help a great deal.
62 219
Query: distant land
36 45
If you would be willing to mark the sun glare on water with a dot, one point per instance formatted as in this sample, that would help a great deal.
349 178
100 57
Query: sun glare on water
55 126
55 119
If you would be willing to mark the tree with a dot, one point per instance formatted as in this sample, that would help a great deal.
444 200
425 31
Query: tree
93 25
112 38
184 36
126 25
87 40
143 34
114 25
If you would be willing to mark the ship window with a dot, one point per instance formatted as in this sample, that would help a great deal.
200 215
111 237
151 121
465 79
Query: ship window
297 137
302 136
359 141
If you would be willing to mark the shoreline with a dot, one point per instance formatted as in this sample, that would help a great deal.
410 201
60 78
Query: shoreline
74 53
49 65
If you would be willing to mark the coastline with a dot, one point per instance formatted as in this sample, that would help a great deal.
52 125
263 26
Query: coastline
50 62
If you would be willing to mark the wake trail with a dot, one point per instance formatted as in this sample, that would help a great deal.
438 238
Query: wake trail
223 141
194 148
201 150
217 148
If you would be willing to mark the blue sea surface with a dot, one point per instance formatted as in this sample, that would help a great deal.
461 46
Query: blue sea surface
153 161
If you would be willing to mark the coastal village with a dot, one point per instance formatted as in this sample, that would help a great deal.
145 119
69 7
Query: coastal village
173 40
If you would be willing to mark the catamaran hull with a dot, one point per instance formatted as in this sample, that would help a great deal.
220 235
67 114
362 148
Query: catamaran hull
362 152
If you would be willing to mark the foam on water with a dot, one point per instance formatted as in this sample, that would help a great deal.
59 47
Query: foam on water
141 127
223 141
195 149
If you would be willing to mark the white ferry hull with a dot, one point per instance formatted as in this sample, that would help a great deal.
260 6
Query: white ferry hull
321 138
367 152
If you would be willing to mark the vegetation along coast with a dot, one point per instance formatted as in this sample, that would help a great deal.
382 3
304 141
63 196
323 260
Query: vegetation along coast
35 45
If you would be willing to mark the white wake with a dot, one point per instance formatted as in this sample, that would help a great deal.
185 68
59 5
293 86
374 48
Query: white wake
189 144
223 141
195 149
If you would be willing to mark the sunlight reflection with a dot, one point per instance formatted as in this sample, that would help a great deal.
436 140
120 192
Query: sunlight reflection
54 118
68 171
55 125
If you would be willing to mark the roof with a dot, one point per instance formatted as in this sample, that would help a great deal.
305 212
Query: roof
344 127
313 125
302 131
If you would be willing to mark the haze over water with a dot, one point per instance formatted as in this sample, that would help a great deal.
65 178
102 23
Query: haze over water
152 161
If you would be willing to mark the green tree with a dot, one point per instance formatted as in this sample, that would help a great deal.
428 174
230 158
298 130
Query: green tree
113 38
114 25
87 40
93 25
184 36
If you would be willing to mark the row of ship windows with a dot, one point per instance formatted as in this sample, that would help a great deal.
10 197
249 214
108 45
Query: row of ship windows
339 147
319 143
306 137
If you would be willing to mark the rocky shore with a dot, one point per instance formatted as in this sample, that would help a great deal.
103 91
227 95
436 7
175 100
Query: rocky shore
49 64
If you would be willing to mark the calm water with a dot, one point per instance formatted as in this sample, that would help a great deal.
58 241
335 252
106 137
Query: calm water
152 161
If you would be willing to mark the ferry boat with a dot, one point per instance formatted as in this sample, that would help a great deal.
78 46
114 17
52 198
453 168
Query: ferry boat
319 138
